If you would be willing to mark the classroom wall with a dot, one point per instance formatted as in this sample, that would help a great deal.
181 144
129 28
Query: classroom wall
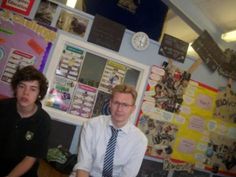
150 57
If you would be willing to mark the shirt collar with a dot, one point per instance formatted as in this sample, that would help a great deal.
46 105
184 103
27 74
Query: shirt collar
124 129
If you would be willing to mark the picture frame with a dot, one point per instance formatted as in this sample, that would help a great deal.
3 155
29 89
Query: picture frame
88 79
73 22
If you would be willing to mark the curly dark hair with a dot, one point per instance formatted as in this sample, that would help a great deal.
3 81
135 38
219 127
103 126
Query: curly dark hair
30 73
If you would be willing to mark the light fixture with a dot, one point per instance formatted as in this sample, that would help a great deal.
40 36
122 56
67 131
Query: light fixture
229 36
71 3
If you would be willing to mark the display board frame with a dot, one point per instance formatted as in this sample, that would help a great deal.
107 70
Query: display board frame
101 52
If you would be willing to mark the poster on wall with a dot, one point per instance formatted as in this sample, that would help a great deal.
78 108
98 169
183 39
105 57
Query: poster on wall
221 153
72 23
32 46
83 101
21 7
226 105
45 12
70 62
183 136
81 76
160 135
60 93
113 74
203 140
16 58
173 48
166 87
194 121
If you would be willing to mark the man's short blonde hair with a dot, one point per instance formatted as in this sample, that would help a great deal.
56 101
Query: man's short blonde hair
124 88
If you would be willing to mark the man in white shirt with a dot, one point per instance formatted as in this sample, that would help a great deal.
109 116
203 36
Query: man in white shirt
130 144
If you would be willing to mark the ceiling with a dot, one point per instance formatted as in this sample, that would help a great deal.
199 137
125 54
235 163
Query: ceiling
186 19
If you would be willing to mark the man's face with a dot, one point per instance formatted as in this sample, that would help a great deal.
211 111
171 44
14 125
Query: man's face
122 106
27 93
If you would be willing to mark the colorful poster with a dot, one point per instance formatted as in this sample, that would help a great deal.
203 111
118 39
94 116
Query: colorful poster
16 58
194 121
113 74
166 87
190 127
199 131
22 7
22 42
60 93
160 134
83 101
221 153
70 62
226 105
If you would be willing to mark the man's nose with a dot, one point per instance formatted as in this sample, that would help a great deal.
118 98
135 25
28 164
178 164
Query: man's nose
26 91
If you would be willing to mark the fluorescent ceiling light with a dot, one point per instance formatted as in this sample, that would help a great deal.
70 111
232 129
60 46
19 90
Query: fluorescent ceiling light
229 36
71 3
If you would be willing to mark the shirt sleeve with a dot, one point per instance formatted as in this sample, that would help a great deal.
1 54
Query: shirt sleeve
133 165
85 149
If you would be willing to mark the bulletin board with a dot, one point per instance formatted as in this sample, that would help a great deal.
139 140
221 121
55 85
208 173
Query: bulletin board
81 77
32 47
193 134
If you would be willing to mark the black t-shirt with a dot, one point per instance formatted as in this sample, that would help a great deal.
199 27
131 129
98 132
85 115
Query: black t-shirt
20 137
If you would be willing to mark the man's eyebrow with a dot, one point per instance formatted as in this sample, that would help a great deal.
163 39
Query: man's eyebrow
35 86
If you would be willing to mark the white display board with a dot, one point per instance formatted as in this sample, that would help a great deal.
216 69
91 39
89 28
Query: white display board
81 76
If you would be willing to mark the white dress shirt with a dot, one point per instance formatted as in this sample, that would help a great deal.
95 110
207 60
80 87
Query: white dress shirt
130 148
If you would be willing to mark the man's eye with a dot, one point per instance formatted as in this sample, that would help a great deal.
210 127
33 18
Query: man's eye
124 104
20 86
34 89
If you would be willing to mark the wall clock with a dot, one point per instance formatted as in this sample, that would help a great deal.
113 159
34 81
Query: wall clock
140 41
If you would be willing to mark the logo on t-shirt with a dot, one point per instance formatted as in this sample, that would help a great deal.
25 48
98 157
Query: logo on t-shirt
29 135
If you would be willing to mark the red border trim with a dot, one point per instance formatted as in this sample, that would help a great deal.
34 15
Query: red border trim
9 7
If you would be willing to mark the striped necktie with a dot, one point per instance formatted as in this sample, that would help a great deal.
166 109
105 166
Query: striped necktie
109 155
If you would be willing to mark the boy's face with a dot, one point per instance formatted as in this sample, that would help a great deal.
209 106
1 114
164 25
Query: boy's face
27 93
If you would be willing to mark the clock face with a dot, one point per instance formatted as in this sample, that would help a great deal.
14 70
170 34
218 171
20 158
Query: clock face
140 41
